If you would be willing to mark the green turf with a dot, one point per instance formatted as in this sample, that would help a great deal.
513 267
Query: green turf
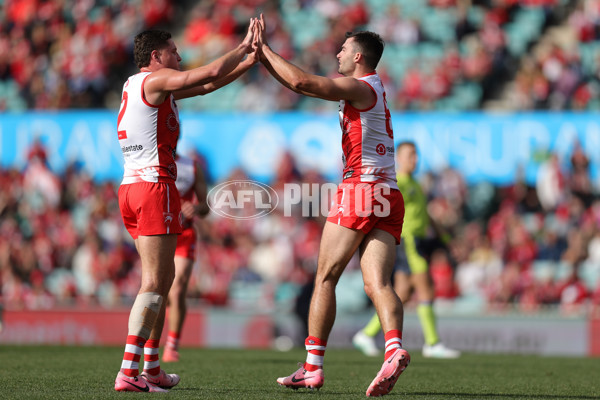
45 372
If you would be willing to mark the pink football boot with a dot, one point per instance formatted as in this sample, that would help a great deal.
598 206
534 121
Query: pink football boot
303 379
124 383
388 374
163 380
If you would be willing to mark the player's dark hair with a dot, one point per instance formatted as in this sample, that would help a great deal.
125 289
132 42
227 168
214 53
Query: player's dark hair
406 143
146 42
369 44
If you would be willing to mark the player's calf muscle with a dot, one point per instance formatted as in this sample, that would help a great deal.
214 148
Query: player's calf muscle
144 313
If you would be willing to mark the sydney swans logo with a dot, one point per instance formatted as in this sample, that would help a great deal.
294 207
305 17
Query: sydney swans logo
242 199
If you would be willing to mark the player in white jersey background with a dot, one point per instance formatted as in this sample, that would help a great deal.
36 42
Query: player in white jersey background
369 172
192 190
148 130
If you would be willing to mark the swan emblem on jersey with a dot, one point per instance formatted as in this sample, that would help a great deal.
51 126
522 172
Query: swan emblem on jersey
172 122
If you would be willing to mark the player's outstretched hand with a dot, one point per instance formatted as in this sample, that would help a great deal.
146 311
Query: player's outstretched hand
253 56
249 39
262 35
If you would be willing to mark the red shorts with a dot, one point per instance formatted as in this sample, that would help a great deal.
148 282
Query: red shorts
186 244
368 206
150 208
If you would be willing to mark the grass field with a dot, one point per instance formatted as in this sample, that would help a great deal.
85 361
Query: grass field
50 372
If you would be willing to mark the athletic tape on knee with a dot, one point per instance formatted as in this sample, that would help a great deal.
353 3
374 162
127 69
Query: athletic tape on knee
144 313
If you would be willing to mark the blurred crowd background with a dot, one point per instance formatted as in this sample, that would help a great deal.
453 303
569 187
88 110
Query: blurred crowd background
440 54
518 247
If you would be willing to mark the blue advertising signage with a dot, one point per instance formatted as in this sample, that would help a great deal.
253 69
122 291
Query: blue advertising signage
484 147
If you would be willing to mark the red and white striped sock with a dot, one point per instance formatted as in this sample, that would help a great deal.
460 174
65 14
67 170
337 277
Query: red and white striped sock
173 340
393 341
316 352
134 348
151 363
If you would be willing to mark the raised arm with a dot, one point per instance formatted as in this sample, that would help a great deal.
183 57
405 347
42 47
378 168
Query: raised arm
299 81
294 78
200 90
166 80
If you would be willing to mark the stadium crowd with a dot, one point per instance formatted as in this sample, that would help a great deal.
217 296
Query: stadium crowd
62 243
62 240
441 54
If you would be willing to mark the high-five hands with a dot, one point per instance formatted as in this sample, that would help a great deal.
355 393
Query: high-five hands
262 32
255 39
250 38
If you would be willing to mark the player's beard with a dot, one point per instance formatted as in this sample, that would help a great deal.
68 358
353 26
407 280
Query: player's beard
344 68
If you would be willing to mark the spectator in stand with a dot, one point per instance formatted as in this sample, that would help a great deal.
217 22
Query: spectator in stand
573 293
53 55
582 20
580 182
551 245
397 28
442 275
477 274
87 210
443 3
507 288
550 183
477 63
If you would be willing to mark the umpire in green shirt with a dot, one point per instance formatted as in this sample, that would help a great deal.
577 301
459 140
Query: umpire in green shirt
411 270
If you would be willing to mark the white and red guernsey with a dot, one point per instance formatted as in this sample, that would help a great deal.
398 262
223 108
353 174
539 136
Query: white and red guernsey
148 134
368 139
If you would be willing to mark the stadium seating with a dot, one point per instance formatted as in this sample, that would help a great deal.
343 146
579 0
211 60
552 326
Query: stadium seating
589 271
302 23
311 37
525 28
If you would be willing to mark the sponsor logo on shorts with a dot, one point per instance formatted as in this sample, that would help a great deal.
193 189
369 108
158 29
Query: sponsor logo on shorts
168 218
380 149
